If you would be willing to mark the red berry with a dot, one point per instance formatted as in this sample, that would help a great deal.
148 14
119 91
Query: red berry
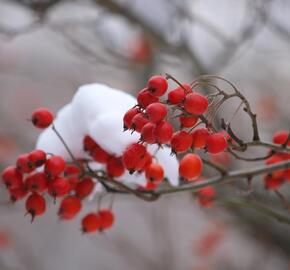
149 186
190 167
107 219
12 178
42 118
59 187
199 137
163 132
89 144
147 160
91 223
18 193
133 157
23 164
216 143
35 205
139 121
187 121
84 187
128 117
69 207
54 166
154 173
100 155
177 95
281 137
36 158
206 196
147 133
274 160
181 141
72 170
37 182
157 85
156 112
195 103
144 98
115 167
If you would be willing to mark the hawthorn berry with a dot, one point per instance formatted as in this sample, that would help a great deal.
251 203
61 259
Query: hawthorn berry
145 98
195 103
154 173
216 143
91 223
181 141
187 121
139 121
115 167
35 205
128 117
157 85
71 170
107 219
84 187
89 144
199 137
36 158
274 160
156 112
190 167
147 133
23 164
177 96
272 182
18 193
36 182
100 155
42 118
59 187
69 207
133 157
54 166
281 137
163 132
12 178
145 162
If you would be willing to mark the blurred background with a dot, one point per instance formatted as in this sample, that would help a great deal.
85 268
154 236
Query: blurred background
48 48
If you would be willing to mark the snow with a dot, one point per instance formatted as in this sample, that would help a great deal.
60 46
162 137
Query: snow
97 110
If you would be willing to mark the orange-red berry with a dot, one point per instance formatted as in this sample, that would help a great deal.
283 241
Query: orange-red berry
157 85
190 167
42 118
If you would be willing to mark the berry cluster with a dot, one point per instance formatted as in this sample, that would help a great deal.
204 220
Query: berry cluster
150 117
275 179
37 174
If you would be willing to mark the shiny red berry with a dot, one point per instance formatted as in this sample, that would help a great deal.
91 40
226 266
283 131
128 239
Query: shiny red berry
147 133
216 143
187 121
181 141
18 193
154 173
115 167
37 182
145 98
36 158
69 207
199 137
107 219
156 112
190 167
177 96
42 118
12 178
35 205
91 223
84 188
100 155
128 117
163 132
23 164
281 137
134 156
139 121
54 166
59 187
89 144
157 85
195 103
